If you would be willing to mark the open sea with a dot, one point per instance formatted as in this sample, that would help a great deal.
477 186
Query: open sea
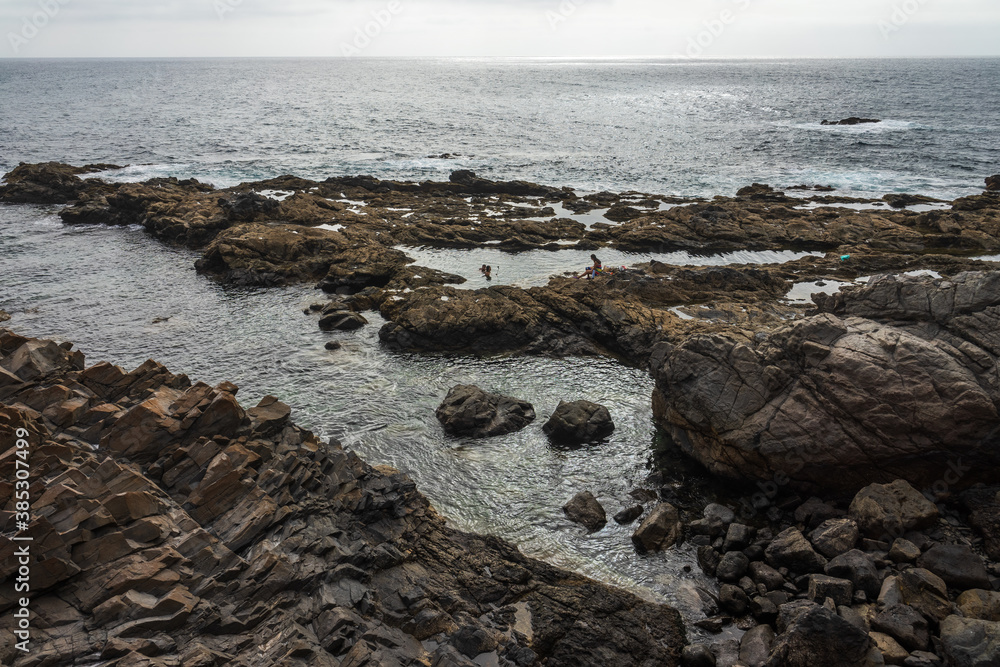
664 127
660 126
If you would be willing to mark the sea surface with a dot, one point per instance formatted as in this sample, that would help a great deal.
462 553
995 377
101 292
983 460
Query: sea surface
665 127
661 126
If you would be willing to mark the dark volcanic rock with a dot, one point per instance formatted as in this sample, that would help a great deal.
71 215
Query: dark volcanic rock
891 380
200 534
792 550
818 636
888 510
993 182
584 509
628 515
342 321
46 183
959 566
471 183
658 531
579 422
858 568
904 624
248 206
469 411
853 120
970 643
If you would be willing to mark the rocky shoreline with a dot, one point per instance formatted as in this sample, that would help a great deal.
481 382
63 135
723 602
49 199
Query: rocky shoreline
173 527
851 442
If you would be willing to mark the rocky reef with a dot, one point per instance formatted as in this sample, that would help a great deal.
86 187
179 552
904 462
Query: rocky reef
171 526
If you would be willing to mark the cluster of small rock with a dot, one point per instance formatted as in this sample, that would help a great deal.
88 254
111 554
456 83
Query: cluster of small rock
888 581
173 528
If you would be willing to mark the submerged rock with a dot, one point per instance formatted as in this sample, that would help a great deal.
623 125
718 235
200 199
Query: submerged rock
584 509
200 533
470 411
579 422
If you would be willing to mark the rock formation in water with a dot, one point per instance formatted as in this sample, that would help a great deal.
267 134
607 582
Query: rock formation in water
895 379
853 120
172 527
470 411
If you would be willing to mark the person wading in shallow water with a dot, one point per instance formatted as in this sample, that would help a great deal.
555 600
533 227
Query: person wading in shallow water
592 271
486 271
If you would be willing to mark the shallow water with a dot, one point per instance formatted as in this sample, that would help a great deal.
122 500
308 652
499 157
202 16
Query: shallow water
535 267
103 287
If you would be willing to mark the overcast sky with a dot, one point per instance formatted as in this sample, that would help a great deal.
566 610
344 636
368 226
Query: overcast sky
710 28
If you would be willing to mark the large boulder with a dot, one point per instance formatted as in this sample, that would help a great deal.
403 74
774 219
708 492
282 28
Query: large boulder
884 511
904 624
470 411
891 380
818 636
579 422
993 183
970 643
958 565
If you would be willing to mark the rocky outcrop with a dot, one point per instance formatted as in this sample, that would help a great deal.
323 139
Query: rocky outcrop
470 411
622 315
579 422
891 380
584 509
853 120
993 183
201 533
48 183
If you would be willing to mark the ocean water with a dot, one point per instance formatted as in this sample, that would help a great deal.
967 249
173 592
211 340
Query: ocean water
660 126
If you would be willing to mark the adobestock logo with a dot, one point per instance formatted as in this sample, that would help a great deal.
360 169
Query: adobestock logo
31 26
363 36
714 29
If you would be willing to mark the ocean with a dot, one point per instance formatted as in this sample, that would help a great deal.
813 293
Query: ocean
661 126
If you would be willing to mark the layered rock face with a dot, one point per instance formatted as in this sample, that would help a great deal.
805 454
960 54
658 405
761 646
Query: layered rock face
173 527
895 379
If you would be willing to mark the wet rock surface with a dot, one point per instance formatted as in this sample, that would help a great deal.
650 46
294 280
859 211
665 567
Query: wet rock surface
173 527
579 422
470 411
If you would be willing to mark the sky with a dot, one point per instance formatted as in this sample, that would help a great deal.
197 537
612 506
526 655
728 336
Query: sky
477 28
